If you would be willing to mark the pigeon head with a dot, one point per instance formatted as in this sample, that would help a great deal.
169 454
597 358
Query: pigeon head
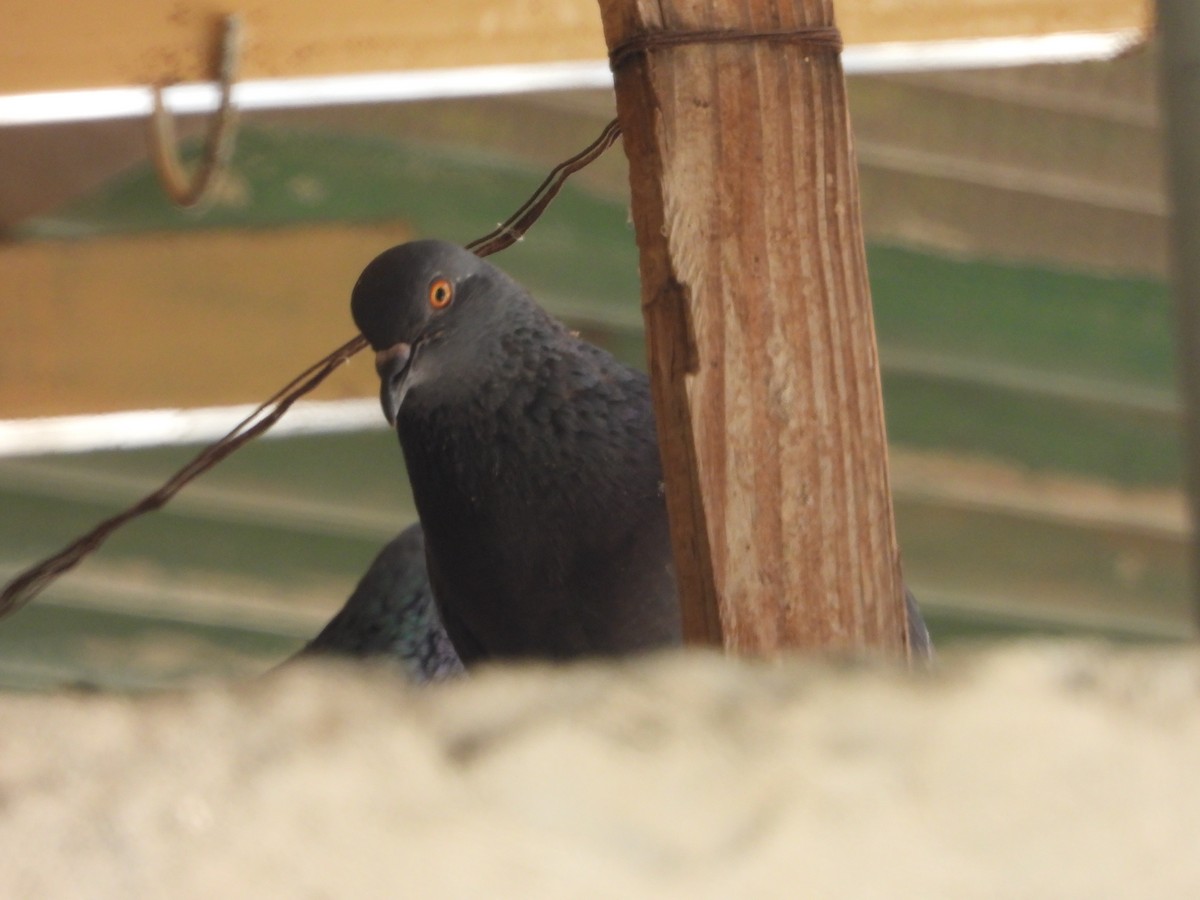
426 308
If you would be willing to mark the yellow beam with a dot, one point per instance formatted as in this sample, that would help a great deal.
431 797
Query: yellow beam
102 43
878 21
168 320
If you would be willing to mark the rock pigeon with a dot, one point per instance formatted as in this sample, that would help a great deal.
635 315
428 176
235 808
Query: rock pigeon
392 615
920 644
533 460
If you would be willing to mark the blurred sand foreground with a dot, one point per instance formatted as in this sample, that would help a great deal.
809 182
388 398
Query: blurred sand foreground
1026 771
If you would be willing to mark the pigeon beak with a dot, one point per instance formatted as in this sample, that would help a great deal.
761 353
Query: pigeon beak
392 366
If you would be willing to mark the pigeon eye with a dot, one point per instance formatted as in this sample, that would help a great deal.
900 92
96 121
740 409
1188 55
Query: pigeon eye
441 292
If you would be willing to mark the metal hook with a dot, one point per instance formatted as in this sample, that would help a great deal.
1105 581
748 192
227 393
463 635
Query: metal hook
188 191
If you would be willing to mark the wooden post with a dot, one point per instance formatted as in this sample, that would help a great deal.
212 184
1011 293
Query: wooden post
760 332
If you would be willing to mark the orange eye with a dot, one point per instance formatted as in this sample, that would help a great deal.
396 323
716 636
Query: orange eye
441 292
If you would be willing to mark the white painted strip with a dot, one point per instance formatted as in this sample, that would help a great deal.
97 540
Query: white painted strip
158 427
282 93
988 53
480 81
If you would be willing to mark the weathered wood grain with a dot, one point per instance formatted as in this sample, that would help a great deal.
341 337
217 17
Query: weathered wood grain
760 332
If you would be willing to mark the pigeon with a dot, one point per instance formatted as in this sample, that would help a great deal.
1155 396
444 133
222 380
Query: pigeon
392 615
533 460
920 644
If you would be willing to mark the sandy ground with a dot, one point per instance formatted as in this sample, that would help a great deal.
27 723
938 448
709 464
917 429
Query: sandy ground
1024 771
